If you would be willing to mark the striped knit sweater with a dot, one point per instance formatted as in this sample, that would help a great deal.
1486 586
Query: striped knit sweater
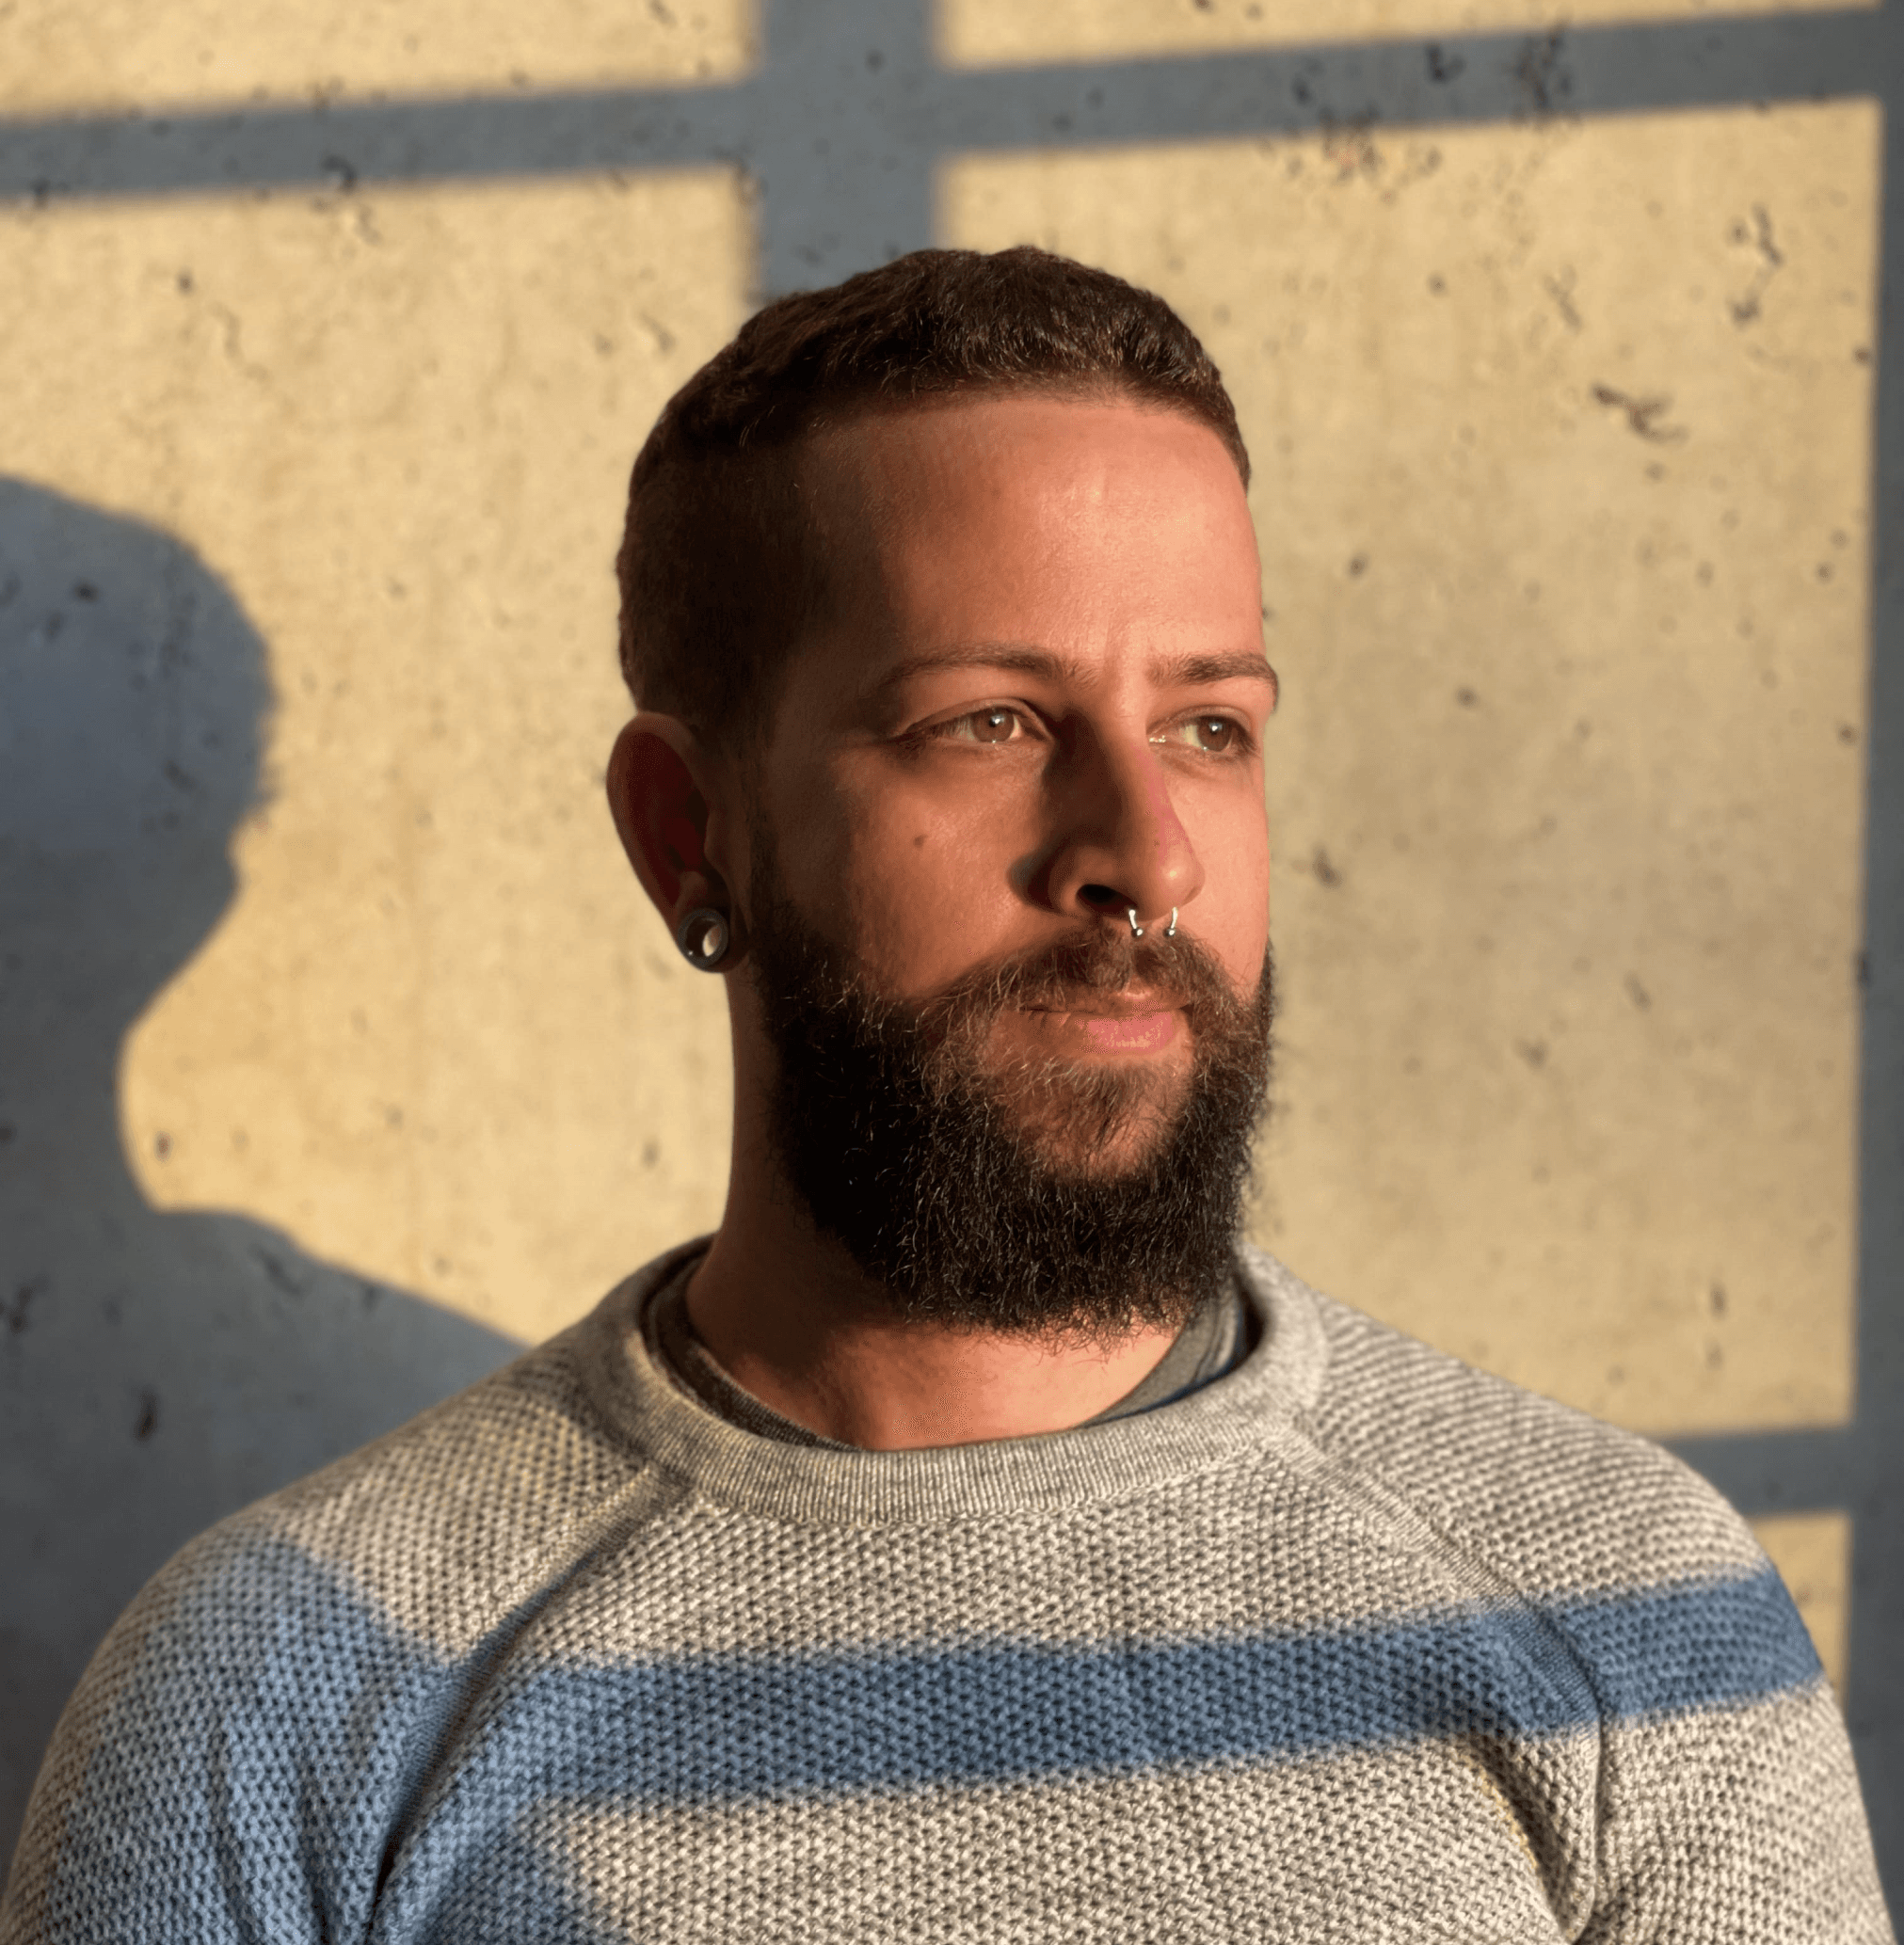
1355 1643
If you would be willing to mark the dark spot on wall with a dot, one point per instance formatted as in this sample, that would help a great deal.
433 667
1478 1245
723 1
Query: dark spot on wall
162 1144
1442 68
1560 289
21 1304
1638 993
1534 1052
1642 414
148 1420
1358 566
280 1272
1846 734
1746 306
1715 1300
650 1154
1466 697
84 591
1544 81
1324 867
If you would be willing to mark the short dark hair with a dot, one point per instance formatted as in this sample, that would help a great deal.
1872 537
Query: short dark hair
718 575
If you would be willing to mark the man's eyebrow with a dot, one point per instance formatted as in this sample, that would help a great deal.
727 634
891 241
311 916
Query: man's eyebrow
1014 657
1245 665
1249 664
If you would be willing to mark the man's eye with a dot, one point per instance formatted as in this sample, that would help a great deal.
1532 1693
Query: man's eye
1215 735
984 725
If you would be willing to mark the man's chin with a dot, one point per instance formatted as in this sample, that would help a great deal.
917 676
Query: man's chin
1097 1125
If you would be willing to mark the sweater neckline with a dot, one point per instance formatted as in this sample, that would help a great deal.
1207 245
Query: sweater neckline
1253 1406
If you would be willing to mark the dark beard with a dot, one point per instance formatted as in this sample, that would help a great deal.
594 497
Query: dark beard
937 1173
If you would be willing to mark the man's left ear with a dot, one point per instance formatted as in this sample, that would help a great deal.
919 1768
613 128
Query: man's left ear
662 783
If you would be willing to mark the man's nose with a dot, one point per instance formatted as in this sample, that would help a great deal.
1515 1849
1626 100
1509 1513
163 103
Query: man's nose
1118 846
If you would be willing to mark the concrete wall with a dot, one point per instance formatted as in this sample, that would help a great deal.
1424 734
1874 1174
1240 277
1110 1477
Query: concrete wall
338 1052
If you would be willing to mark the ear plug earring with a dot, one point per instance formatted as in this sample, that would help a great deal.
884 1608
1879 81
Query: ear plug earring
703 937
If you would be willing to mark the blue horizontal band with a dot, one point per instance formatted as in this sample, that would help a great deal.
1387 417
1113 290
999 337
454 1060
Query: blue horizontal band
738 1726
280 1737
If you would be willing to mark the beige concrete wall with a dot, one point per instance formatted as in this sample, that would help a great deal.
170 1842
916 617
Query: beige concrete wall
438 1036
1005 33
119 54
1563 436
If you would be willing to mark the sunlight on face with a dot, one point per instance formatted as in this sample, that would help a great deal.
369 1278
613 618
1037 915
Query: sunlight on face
1033 714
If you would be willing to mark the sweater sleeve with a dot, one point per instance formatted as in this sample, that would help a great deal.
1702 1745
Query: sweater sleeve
1728 1803
232 1762
1726 1806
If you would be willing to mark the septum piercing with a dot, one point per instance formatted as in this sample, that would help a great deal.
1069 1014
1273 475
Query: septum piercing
1137 930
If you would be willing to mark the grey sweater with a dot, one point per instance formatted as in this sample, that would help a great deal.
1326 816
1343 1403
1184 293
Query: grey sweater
1353 1643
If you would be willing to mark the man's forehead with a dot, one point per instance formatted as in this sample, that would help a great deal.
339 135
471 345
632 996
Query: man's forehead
986 497
950 429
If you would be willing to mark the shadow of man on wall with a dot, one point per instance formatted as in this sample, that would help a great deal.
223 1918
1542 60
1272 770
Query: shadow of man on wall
158 1370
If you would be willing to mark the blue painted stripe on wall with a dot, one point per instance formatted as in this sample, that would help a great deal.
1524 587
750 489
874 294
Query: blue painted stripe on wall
737 1727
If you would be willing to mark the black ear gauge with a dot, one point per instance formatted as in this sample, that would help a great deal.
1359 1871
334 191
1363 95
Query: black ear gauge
703 936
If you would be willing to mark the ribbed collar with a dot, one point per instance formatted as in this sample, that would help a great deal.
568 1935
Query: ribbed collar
1247 1411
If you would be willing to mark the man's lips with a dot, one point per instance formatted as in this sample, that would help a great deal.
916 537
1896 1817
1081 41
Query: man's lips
1130 1034
1115 1023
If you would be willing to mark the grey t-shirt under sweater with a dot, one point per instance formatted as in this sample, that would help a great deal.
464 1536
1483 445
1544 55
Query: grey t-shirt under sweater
1353 1644
1216 1339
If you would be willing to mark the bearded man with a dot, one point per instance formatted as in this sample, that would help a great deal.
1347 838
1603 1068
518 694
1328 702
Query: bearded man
971 1541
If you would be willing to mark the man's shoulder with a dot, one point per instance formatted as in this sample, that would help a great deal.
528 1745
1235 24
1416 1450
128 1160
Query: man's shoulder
427 1535
1536 1492
451 1517
304 1650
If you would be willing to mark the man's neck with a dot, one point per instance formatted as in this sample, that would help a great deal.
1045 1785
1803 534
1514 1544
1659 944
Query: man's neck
791 1319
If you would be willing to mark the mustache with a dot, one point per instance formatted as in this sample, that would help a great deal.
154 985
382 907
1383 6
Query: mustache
1073 969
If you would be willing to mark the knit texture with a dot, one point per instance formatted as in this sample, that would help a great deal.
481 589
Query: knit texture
1355 1643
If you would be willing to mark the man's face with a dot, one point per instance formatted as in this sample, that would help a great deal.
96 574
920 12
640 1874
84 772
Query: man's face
1033 710
1034 702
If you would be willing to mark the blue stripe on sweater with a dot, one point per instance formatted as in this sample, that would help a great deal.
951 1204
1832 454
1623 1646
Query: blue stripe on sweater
740 1726
281 1748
